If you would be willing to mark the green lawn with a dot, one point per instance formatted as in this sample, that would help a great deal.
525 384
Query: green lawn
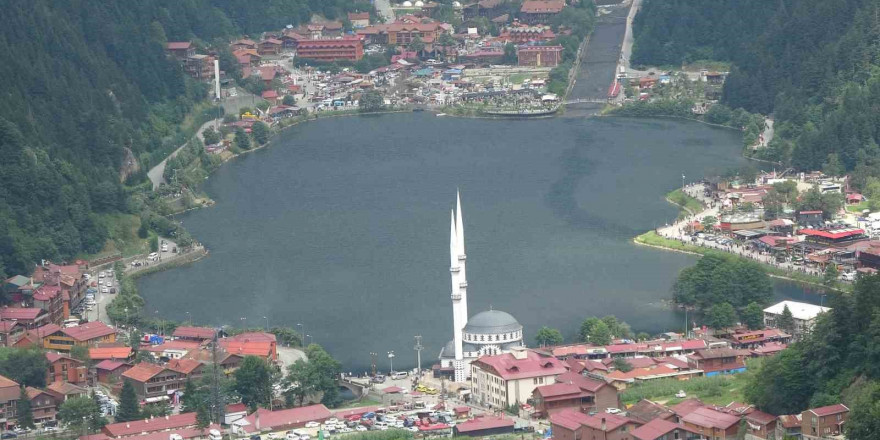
360 403
857 208
518 78
716 390
685 201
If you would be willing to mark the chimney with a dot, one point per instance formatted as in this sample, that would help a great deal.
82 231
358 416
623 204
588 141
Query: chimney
603 424
519 353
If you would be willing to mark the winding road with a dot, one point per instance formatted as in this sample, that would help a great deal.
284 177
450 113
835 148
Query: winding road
157 172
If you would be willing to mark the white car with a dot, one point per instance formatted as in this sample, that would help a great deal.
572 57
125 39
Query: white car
612 410
105 290
331 421
360 428
312 425
681 394
413 429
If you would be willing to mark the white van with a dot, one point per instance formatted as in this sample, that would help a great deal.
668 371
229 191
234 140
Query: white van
214 435
399 374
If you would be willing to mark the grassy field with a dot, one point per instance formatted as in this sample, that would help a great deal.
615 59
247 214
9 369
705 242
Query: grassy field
684 201
857 208
716 390
123 238
360 403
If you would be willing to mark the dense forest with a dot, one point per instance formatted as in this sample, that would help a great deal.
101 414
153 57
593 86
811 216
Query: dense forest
812 64
90 101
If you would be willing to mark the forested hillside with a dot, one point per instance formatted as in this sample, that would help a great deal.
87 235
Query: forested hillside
813 64
85 81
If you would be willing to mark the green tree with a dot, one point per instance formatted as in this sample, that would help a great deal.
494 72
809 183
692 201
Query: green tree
194 397
814 199
709 221
416 45
753 316
242 141
25 410
601 334
786 320
548 336
313 377
510 57
719 278
27 366
129 409
642 336
81 352
780 386
254 380
154 243
80 413
863 422
260 131
119 270
831 274
587 327
721 316
203 417
211 136
287 336
371 101
288 100
622 365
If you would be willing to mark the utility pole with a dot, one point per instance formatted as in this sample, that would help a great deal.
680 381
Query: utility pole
391 360
216 399
373 357
418 348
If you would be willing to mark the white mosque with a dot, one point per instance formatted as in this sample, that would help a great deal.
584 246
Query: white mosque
486 333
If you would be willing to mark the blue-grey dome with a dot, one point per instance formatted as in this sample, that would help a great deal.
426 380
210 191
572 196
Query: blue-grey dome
492 322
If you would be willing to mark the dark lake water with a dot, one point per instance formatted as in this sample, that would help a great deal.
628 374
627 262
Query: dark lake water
342 225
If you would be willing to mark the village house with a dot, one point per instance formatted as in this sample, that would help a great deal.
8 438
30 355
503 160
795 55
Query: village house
187 368
10 332
574 391
43 405
511 378
526 34
247 58
332 29
36 336
30 317
260 344
540 11
200 67
359 19
645 411
172 349
73 285
659 429
485 426
244 43
715 361
685 407
757 338
263 420
121 353
88 334
228 362
575 425
152 382
270 46
788 425
198 334
401 34
235 411
63 368
804 315
824 422
9 393
64 391
539 56
151 425
109 371
483 8
180 49
712 424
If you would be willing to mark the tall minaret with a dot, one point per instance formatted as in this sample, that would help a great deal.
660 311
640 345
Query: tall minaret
459 290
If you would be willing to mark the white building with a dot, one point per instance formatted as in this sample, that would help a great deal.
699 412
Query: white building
502 380
804 315
487 333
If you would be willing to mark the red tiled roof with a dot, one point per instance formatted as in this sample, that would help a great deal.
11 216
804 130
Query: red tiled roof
46 292
358 16
185 366
829 410
20 313
194 332
175 344
558 390
760 417
687 406
710 418
8 326
790 421
833 235
573 419
244 348
54 357
136 427
542 6
109 365
66 388
143 372
185 433
236 408
581 382
646 410
286 417
178 45
534 365
99 353
253 337
88 331
656 428
269 94
46 330
640 362
481 423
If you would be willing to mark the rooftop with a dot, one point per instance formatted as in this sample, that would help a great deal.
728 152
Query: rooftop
534 365
99 353
829 410
573 419
492 322
194 332
143 371
481 423
687 406
799 310
655 429
710 418
136 427
284 417
88 331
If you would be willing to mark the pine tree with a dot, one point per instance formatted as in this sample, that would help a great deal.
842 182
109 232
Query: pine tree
203 419
786 320
25 410
128 404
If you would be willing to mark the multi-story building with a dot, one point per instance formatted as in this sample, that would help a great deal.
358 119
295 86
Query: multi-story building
30 317
200 66
153 381
43 405
824 422
804 316
718 361
88 334
659 429
10 331
351 49
9 393
72 284
402 33
63 368
511 378
359 19
540 11
180 49
574 391
571 424
712 424
539 56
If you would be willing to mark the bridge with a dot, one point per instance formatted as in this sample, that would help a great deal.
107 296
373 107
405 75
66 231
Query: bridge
586 100
358 389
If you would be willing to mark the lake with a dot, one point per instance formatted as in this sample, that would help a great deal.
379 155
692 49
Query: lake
342 225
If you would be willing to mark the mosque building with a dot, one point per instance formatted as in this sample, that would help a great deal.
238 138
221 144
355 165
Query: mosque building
490 332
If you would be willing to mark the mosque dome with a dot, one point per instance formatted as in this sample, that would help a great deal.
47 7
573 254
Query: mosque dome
407 4
419 3
456 4
492 322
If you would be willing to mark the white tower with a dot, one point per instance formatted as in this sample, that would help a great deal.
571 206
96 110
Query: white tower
459 289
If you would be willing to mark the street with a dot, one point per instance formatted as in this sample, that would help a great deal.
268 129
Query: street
156 174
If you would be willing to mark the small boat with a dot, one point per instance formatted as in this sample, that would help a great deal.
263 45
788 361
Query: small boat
441 114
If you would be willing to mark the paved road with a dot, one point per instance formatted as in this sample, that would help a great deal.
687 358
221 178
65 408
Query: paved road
626 50
157 172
